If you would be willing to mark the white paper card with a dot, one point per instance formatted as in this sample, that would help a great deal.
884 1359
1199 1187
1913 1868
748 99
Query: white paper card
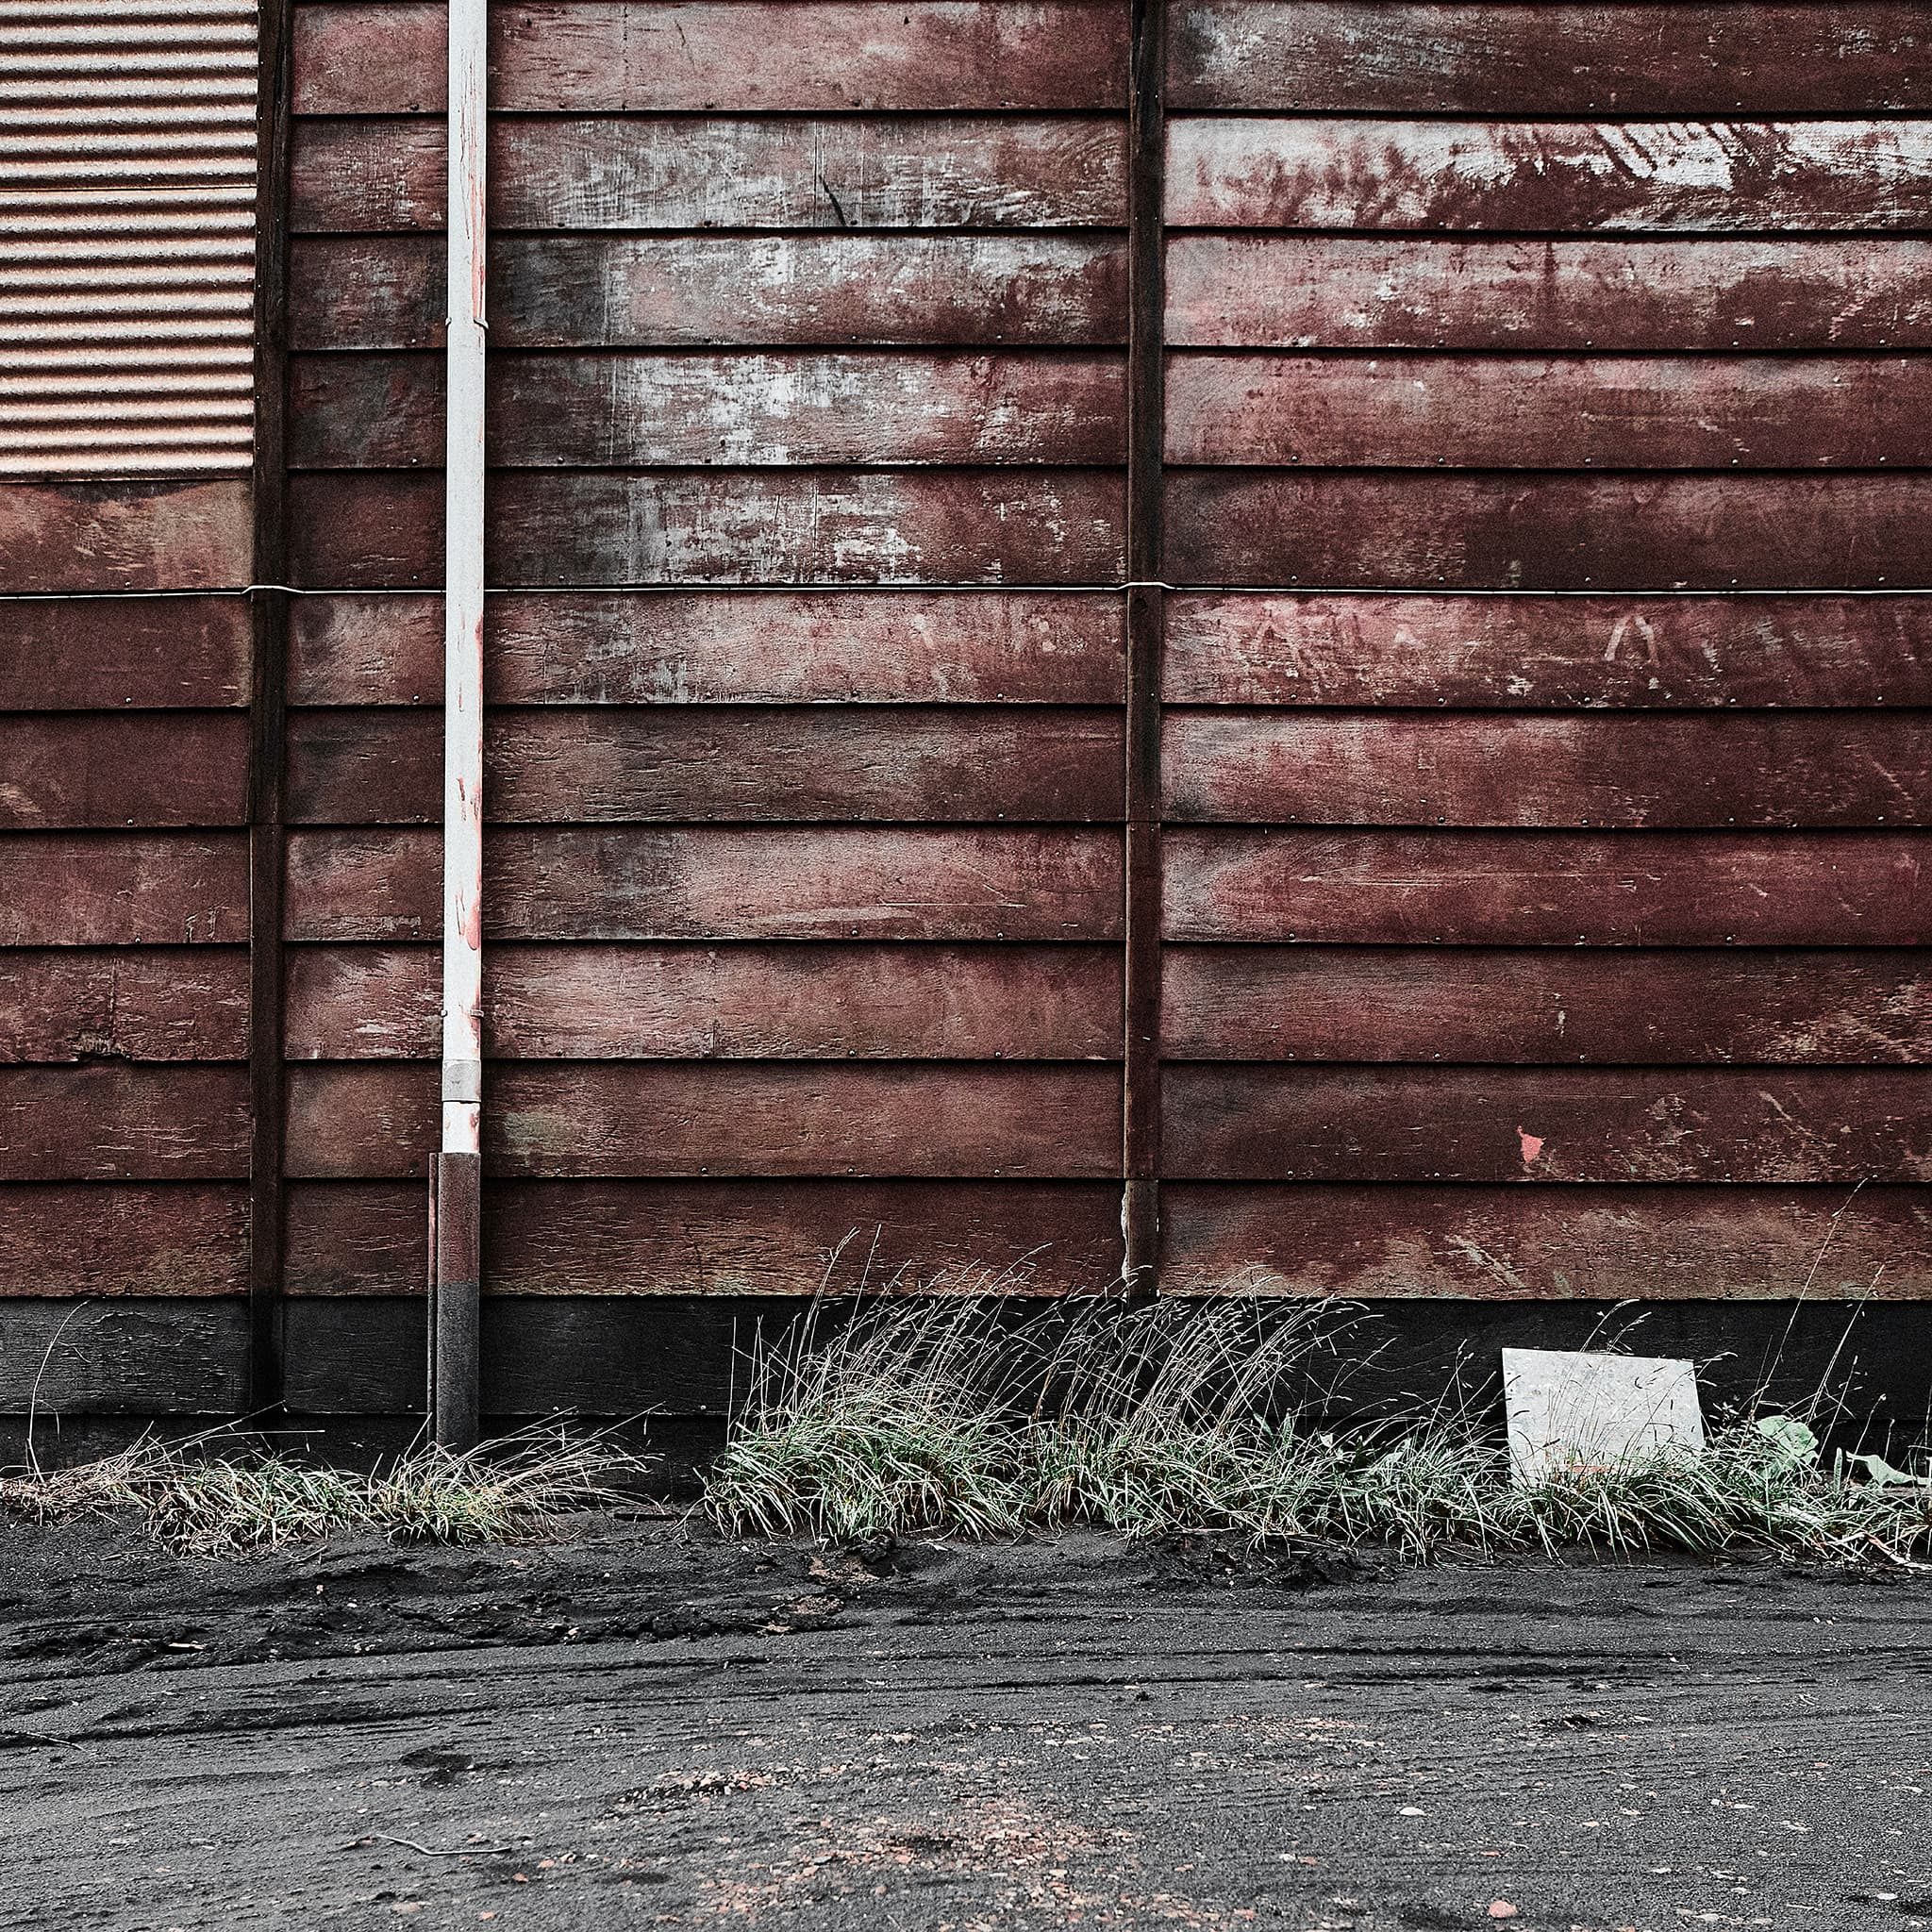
1567 1408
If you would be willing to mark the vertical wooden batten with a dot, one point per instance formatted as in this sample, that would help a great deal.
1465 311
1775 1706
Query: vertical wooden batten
268 704
1145 623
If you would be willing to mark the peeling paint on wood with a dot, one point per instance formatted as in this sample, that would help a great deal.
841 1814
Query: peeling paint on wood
1623 297
741 56
1502 57
1550 176
714 647
1549 888
677 172
1520 652
1301 767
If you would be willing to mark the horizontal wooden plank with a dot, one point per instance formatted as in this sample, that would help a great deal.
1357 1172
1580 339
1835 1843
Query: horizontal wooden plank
1546 1005
696 172
616 292
119 535
178 1239
1476 530
770 1120
1545 1124
133 1356
1549 888
1419 768
1519 412
1501 57
80 654
123 890
123 768
152 1003
720 1238
368 529
587 57
1516 1244
833 882
1515 652
1343 292
115 1124
610 764
1550 176
676 647
385 411
688 1002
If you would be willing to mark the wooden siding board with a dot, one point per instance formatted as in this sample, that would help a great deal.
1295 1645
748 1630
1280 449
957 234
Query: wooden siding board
1550 176
1549 294
123 1122
74 537
1471 531
615 292
684 764
130 1355
149 1003
79 654
1496 412
1553 889
678 173
748 1236
1418 767
1517 652
1695 60
830 883
79 1241
586 1119
385 411
123 889
373 529
1516 1244
692 1001
739 57
1545 1124
1548 1005
130 768
711 647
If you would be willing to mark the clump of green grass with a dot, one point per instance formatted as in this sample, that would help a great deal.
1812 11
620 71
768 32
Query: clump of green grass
216 1495
939 1414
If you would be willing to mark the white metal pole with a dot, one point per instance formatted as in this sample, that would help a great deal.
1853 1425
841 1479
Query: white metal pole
457 1261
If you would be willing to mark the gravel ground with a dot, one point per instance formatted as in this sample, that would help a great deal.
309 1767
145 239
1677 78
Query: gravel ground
639 1724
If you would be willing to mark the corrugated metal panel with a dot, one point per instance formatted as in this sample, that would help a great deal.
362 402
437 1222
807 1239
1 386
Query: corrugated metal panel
127 132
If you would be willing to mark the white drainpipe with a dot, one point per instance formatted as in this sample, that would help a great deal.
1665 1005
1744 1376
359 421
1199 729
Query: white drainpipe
457 1189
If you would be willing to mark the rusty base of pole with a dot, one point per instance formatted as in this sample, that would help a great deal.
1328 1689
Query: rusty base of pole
456 1275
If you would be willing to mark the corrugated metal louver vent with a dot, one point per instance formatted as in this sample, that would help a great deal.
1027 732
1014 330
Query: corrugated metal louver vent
126 236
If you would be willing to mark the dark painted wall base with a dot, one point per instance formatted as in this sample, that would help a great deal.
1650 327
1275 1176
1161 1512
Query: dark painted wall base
362 1358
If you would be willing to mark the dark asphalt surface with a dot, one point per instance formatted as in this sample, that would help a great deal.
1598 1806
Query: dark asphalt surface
643 1727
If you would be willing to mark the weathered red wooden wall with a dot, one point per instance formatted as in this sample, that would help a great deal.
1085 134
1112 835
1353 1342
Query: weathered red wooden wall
1548 513
1543 904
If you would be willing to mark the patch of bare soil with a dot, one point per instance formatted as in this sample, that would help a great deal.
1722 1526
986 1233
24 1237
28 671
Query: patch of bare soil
640 1723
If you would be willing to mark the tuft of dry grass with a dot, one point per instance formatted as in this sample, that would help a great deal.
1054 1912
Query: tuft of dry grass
214 1495
937 1414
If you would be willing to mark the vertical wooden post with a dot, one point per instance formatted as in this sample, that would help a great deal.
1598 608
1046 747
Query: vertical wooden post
1146 619
268 701
455 1259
